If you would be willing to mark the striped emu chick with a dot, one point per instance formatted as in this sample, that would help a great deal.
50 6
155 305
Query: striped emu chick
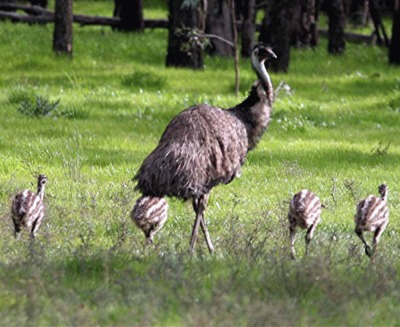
373 216
27 209
304 212
150 214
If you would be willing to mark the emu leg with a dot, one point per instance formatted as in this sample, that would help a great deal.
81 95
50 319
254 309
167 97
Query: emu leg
35 227
206 235
377 236
199 206
292 230
203 205
359 233
199 217
17 230
309 235
149 237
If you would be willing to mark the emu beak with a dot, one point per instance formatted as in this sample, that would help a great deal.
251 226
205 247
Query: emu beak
267 54
272 54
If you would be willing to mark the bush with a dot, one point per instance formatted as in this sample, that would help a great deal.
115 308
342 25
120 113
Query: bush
38 107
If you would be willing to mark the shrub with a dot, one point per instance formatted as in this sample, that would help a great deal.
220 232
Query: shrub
38 107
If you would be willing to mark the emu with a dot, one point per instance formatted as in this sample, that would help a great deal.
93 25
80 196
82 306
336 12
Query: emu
304 212
372 215
204 146
150 214
27 209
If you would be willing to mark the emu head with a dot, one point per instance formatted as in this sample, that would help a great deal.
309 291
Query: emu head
383 191
260 53
42 179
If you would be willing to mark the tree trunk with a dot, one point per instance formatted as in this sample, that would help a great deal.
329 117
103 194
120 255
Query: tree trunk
183 50
302 23
376 18
62 38
274 32
247 14
337 21
235 43
131 14
394 50
219 22
40 3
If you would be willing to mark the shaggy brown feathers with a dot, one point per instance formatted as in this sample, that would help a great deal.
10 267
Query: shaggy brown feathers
204 146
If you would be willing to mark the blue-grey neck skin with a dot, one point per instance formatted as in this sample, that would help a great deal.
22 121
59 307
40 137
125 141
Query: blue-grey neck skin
262 74
42 179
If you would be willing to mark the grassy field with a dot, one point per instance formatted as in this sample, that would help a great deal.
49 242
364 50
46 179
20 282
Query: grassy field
336 134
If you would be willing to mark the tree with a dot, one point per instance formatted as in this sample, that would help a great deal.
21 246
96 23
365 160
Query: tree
232 10
41 3
274 32
337 22
246 12
219 22
62 37
185 19
376 18
394 50
302 23
130 13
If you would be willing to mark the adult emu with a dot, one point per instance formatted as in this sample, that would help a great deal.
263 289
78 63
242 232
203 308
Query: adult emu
204 146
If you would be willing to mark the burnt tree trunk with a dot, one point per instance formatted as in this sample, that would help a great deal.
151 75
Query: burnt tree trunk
337 21
375 12
302 23
62 37
130 13
40 3
183 50
219 22
274 32
246 13
235 43
394 50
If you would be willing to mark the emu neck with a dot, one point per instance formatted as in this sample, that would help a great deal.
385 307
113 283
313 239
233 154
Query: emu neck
384 196
254 112
264 78
40 191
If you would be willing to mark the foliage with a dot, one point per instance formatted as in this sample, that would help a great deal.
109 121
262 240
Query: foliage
336 133
40 107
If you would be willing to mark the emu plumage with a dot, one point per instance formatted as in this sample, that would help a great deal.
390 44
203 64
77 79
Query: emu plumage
204 146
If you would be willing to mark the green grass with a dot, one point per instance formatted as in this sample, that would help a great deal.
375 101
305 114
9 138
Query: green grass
89 265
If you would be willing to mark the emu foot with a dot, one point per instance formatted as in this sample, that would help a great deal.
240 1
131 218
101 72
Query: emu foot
368 251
